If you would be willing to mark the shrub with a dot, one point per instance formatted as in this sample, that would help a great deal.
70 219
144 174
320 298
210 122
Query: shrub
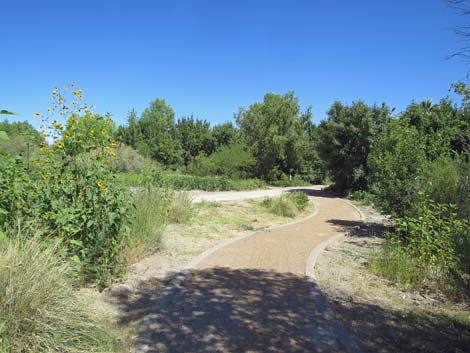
70 193
284 206
234 161
39 310
288 204
129 160
286 182
299 198
362 197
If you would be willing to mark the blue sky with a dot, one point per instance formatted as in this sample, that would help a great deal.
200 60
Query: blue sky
210 57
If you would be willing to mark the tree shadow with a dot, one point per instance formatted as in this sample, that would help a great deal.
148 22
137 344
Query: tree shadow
325 192
390 330
360 228
227 310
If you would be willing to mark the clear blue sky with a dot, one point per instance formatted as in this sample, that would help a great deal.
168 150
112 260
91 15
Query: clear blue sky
210 57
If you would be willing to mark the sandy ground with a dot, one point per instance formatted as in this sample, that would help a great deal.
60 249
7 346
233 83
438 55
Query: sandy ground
249 296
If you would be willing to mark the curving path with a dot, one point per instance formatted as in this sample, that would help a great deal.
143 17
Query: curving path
252 295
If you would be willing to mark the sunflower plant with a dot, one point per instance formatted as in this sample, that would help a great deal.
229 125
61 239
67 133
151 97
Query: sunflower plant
70 193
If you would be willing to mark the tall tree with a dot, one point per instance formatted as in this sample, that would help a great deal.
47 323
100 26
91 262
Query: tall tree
271 128
346 138
195 137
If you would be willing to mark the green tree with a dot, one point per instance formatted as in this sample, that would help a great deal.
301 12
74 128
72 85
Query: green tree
195 136
346 138
225 134
272 129
154 135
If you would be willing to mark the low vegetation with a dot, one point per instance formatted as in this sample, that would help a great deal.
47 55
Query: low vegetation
287 205
39 307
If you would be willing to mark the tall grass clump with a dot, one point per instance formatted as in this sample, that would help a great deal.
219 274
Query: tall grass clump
39 309
287 205
181 208
148 219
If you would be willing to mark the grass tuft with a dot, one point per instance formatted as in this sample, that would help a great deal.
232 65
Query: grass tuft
39 310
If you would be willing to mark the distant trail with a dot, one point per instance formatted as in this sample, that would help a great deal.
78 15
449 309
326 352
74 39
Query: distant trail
253 295
218 196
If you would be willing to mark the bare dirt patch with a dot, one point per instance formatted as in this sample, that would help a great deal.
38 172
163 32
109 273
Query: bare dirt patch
381 316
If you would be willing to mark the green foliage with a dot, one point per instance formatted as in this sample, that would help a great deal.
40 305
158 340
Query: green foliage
284 181
128 160
346 139
195 136
362 197
233 161
300 199
70 193
277 133
429 233
39 308
147 220
287 205
398 266
154 135
397 162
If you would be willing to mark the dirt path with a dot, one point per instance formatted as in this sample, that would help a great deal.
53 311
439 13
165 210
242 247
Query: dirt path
251 295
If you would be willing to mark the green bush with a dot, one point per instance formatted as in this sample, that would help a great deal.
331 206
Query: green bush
300 199
233 161
286 182
70 191
362 197
39 310
129 160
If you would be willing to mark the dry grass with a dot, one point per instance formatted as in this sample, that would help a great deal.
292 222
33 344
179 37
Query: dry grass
216 221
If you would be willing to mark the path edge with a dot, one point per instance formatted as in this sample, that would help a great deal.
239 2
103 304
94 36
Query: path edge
342 333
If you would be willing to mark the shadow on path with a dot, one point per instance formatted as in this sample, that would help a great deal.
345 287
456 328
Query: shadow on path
227 310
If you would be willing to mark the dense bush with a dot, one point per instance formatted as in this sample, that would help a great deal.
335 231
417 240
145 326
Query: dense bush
69 193
234 161
39 309
128 160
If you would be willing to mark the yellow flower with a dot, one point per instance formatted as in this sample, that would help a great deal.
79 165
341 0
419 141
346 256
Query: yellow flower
37 115
77 93
58 126
73 121
43 149
49 110
92 132
45 216
56 177
107 147
46 177
103 131
67 134
113 143
60 144
113 154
